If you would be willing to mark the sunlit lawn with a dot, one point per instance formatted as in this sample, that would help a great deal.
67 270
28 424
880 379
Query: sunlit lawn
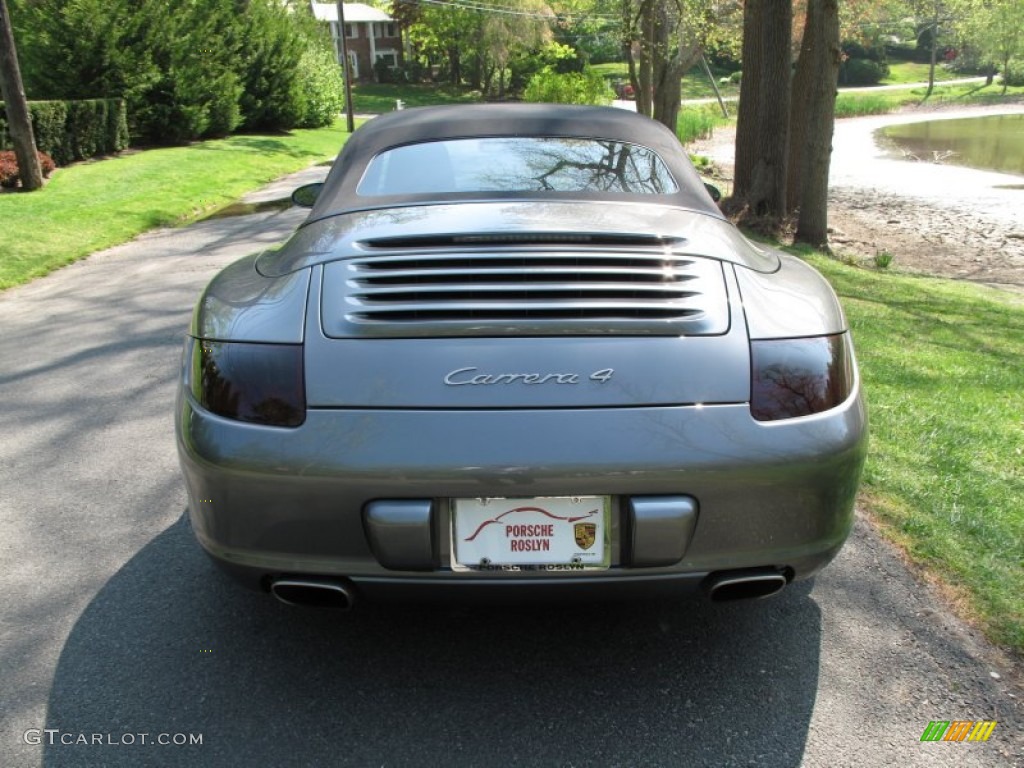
376 98
695 82
901 72
881 102
943 369
90 206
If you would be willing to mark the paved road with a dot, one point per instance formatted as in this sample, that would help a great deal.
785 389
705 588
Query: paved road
113 624
630 104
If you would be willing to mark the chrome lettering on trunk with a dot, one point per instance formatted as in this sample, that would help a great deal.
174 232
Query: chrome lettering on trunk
471 376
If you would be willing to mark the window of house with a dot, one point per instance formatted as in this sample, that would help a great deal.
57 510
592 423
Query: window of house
351 30
384 29
388 57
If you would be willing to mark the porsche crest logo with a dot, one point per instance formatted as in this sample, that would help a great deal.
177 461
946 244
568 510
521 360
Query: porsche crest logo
586 534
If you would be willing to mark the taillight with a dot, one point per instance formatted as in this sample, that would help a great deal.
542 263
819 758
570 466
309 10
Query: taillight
258 383
798 377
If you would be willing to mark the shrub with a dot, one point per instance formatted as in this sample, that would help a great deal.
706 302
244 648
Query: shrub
268 58
587 87
76 130
8 170
9 174
386 73
117 125
860 104
49 125
85 127
1014 74
189 71
697 122
862 72
553 56
856 50
321 88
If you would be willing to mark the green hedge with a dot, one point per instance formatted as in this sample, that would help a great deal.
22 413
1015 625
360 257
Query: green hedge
74 130
862 72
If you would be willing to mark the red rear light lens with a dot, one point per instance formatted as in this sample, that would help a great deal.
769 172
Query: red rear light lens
798 377
258 383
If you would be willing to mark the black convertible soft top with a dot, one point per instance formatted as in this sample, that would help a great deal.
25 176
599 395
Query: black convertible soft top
412 126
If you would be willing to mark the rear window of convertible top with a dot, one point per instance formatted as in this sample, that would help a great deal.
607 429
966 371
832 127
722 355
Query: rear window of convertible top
516 164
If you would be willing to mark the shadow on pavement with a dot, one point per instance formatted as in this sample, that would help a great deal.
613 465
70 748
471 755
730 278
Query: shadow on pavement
169 646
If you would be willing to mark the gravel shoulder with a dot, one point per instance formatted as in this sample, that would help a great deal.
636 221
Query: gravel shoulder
933 218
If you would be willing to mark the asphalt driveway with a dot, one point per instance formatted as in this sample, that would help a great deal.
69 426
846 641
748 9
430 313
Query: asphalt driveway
117 634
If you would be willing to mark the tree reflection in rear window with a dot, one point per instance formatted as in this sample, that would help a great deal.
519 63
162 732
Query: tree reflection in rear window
517 164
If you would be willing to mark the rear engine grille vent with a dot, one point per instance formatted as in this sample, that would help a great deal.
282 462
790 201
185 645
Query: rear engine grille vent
523 238
514 291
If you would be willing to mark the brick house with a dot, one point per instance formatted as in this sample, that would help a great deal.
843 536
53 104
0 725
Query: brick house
370 36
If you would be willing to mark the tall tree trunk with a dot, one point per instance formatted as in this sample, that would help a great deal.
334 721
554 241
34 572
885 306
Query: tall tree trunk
669 92
645 77
629 39
812 120
673 56
762 128
935 49
666 89
454 65
13 93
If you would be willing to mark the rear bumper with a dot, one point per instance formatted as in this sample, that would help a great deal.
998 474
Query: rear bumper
268 501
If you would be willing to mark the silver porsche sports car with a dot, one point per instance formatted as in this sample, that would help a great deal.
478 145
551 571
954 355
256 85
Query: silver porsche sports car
516 351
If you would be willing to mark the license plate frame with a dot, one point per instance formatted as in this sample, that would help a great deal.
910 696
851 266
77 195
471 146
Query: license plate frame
537 533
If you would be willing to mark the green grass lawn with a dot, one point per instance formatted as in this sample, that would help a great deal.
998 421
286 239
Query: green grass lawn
90 206
882 102
943 371
901 72
695 83
377 98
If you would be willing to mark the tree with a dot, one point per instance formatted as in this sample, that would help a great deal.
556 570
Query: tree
444 34
762 126
505 36
812 117
13 93
996 29
661 41
933 17
476 43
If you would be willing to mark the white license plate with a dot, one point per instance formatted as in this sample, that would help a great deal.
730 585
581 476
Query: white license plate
552 533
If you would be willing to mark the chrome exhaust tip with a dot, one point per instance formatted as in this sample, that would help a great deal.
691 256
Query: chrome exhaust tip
311 593
744 585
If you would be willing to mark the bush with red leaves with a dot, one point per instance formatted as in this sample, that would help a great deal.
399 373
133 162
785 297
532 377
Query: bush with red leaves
9 168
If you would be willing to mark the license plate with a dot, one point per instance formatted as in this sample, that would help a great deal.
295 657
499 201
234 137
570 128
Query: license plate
552 533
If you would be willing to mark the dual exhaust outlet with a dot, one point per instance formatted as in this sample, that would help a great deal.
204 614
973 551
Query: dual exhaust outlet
313 593
721 586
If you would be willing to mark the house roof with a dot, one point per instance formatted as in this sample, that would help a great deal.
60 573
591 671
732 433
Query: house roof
354 13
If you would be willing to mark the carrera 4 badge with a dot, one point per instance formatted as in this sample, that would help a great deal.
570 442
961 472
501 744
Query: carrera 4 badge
471 376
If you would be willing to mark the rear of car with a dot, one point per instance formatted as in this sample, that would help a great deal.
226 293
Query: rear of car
478 394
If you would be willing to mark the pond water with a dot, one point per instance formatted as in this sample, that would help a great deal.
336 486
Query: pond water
994 143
